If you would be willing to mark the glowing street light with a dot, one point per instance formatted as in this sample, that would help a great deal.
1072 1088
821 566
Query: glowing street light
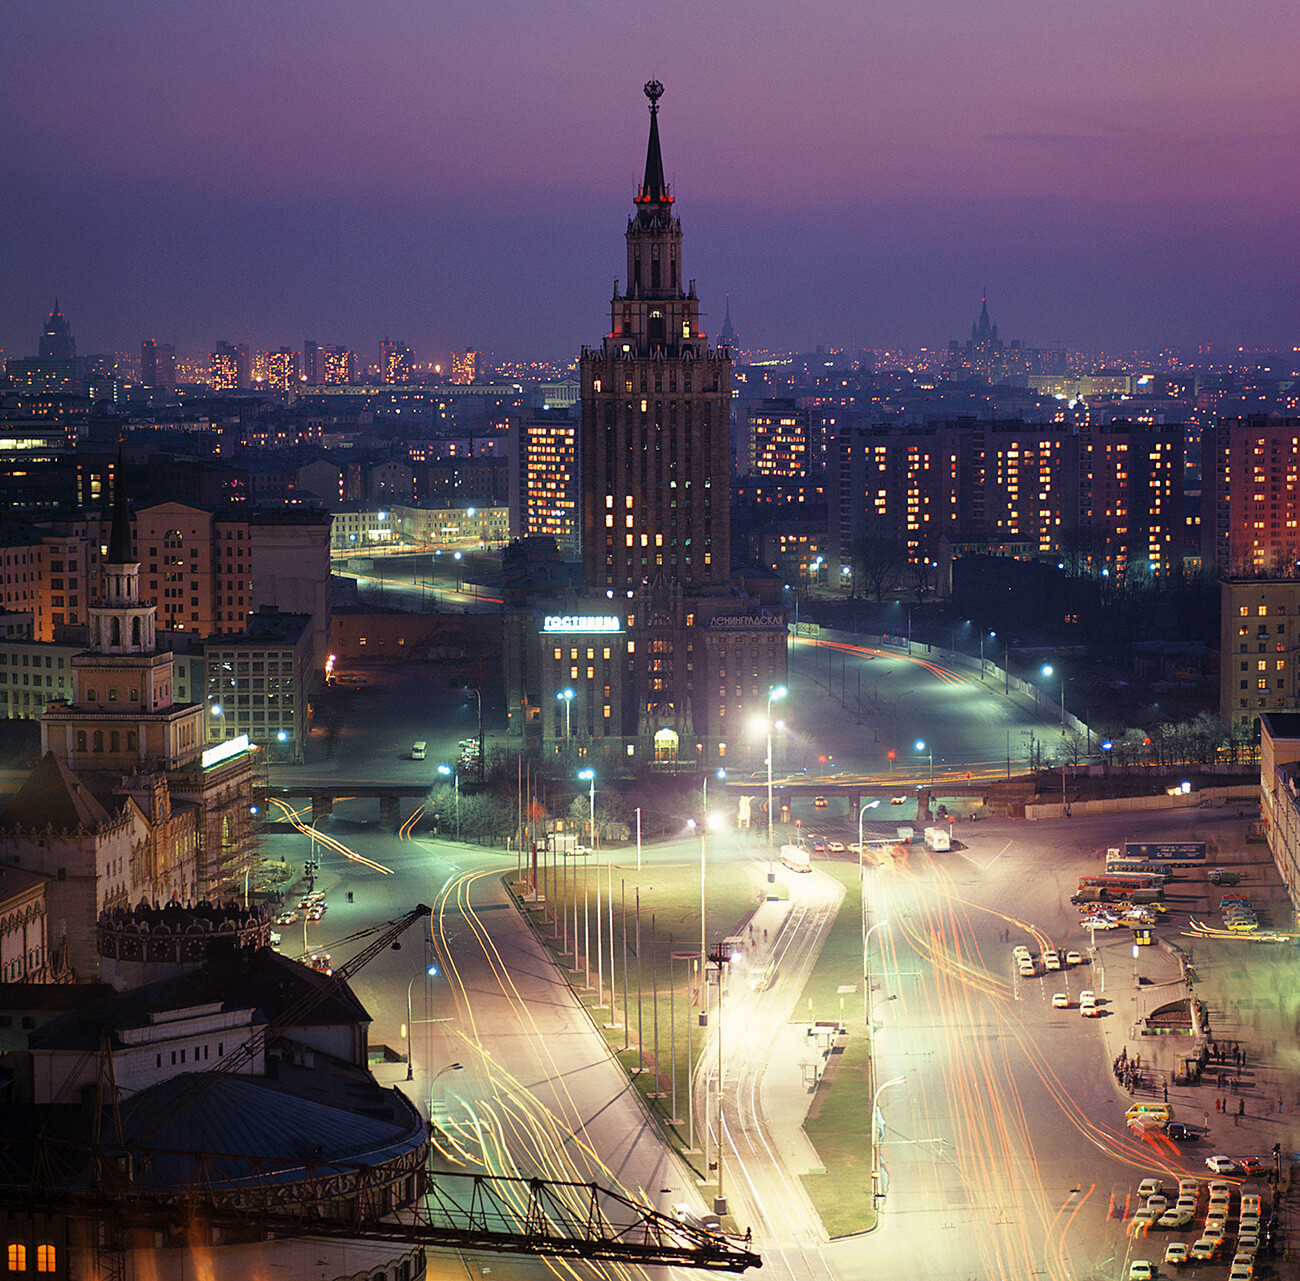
445 771
921 746
565 696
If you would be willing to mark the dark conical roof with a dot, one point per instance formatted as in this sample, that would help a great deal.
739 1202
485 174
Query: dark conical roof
119 541
654 188
52 795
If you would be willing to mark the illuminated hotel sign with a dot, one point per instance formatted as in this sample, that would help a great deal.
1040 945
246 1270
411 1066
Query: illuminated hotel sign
224 751
577 623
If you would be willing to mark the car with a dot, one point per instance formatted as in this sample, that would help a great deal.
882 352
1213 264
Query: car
1188 1187
1027 969
835 847
1187 1203
819 846
1087 997
317 913
1157 1204
1060 1001
1141 1270
1251 1165
1249 1224
1020 952
1244 1256
1247 1243
1220 1186
286 918
1176 1253
1240 1272
1099 923
899 800
1220 1164
1216 1220
1140 1222
1251 1204
1051 959
1150 1187
1203 1250
1220 1196
1181 1130
1090 1011
819 802
1213 1232
1177 1217
1073 958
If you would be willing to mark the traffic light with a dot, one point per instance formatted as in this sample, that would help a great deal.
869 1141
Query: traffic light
891 753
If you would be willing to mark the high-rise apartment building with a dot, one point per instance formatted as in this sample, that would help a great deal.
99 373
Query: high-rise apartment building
464 367
282 370
337 366
157 365
544 477
656 414
394 362
780 438
230 368
1250 495
1259 622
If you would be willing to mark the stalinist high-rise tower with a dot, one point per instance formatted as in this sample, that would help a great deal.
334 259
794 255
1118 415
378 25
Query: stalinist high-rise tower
663 660
656 404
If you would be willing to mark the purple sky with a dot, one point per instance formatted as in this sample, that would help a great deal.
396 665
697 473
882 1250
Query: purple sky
459 174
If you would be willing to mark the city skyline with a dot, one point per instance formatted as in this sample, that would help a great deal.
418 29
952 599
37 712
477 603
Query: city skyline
272 178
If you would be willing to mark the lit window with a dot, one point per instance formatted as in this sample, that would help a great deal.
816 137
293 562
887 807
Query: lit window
45 1258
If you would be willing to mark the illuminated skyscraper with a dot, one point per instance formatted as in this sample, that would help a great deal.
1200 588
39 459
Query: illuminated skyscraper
157 365
464 367
282 369
336 366
394 362
656 405
230 367
57 342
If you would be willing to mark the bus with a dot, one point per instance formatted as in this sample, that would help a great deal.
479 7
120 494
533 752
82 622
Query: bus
1123 882
795 857
1137 866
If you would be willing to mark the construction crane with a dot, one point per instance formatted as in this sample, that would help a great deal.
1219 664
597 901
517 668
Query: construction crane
121 1185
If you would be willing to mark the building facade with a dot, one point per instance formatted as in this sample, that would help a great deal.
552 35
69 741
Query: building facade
1259 645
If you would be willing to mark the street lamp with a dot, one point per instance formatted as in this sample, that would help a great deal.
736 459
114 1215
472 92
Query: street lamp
1047 671
875 1164
920 746
991 636
410 1065
776 692
565 696
706 822
866 970
446 770
719 774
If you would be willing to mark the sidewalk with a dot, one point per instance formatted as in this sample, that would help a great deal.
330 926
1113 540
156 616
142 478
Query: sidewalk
1264 1087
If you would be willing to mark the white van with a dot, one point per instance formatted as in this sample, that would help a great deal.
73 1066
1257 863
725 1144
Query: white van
418 750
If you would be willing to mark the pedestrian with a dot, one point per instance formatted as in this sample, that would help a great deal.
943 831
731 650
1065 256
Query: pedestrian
1241 1107
1279 1107
1207 1119
1166 1089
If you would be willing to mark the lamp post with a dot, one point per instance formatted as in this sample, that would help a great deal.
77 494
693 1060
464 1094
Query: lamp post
866 973
719 774
1047 671
446 770
589 776
921 746
706 821
478 696
992 636
875 1163
777 691
410 1065
565 696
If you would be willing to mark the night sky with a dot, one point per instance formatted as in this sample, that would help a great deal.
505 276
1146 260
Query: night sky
451 174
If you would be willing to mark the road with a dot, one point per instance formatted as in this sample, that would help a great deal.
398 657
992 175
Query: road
1002 1145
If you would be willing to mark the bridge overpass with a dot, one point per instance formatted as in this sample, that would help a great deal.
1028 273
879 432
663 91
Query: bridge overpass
324 792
